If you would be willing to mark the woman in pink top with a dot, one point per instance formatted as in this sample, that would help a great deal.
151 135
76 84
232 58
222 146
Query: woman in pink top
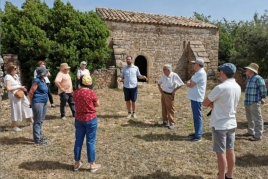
86 122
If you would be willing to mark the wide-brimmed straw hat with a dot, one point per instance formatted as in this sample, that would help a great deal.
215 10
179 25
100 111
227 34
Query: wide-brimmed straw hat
64 66
253 67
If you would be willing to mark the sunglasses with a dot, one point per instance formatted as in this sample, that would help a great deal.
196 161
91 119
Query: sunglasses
15 68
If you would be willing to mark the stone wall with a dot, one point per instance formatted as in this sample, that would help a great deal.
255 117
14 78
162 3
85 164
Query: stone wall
104 78
160 44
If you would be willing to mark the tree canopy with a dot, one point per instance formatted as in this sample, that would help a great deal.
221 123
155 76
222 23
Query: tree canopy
241 42
58 34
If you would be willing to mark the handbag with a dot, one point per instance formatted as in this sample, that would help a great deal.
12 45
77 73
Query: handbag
19 94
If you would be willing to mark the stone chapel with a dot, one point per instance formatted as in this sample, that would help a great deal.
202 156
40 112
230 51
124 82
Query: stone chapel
154 40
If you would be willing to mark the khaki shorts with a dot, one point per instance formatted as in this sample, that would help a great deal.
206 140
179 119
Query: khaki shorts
223 139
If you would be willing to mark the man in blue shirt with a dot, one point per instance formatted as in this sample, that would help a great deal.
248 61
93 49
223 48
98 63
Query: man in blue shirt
255 95
129 77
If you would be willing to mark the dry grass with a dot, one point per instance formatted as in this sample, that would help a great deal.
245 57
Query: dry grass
128 148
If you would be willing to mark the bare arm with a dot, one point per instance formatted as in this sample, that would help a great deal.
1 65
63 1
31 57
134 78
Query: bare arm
190 84
97 103
142 77
159 88
119 79
207 103
178 87
57 83
32 91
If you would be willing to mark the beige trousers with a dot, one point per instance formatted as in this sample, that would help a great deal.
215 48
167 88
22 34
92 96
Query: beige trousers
168 110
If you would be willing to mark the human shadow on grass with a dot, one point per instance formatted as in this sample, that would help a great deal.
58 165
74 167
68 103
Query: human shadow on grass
135 123
52 117
110 116
165 175
15 141
171 137
162 137
242 125
250 160
45 165
4 128
9 128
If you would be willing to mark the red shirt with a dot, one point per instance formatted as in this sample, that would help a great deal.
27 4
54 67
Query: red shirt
84 100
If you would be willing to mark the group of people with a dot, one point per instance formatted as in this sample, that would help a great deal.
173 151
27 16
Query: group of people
82 102
223 100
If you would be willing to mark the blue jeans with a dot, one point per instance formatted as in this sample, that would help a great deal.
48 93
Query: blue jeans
39 114
197 115
88 128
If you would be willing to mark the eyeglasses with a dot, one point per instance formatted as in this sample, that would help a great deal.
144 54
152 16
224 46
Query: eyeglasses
84 64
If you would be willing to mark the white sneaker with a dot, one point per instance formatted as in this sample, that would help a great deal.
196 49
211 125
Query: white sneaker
16 129
134 115
129 115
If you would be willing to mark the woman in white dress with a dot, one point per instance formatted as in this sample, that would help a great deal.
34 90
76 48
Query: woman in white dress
19 106
82 71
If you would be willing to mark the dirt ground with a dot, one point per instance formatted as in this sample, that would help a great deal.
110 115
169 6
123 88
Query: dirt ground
128 148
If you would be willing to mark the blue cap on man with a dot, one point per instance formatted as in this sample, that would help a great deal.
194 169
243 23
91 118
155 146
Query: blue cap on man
227 68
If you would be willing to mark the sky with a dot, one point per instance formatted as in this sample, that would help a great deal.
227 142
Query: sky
218 9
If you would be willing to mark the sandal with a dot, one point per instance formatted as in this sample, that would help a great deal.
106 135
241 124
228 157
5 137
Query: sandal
95 167
227 177
77 166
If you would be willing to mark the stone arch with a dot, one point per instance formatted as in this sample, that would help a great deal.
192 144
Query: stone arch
149 62
141 63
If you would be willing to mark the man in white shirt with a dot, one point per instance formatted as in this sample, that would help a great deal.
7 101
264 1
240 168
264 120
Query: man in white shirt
224 99
171 82
196 93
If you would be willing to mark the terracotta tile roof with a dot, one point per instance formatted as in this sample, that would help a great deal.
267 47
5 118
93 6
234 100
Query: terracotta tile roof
138 17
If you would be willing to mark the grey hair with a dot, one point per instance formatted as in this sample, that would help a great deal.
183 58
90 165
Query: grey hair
168 66
82 63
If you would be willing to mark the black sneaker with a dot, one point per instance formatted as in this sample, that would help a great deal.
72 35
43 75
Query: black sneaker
191 135
196 139
164 124
41 142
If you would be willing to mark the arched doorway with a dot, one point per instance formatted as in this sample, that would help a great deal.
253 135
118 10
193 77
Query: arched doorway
141 62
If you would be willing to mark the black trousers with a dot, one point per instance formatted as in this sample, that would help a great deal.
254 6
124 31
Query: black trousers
64 98
49 94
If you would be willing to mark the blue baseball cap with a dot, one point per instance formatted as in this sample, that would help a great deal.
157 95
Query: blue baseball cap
227 68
